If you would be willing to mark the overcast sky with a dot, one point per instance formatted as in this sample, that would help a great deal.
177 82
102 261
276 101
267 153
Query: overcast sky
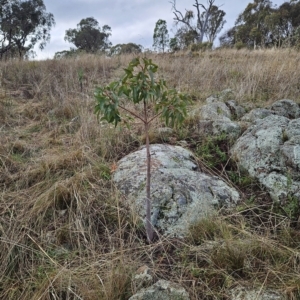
130 20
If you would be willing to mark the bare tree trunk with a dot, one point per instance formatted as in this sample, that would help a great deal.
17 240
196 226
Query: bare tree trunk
149 227
204 26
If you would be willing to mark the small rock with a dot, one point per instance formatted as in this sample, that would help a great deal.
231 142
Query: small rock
142 279
241 293
162 290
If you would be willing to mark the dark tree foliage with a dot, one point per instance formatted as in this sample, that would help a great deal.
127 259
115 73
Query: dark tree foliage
284 25
66 53
251 27
23 24
128 48
161 35
262 24
89 36
215 22
173 44
227 39
184 37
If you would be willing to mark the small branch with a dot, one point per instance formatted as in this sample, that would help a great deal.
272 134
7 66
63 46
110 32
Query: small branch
198 14
132 113
154 118
179 16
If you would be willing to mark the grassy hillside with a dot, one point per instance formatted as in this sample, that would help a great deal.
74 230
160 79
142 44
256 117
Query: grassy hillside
65 232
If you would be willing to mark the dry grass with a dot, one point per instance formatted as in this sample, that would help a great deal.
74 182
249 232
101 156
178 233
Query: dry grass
65 233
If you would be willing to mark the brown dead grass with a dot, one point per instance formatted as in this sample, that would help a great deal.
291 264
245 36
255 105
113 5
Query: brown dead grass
65 233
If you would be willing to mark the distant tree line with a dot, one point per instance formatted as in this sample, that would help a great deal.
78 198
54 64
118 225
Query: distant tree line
26 23
262 24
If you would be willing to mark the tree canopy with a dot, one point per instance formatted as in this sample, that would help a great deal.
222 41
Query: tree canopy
88 36
184 37
215 22
161 35
262 24
128 48
23 24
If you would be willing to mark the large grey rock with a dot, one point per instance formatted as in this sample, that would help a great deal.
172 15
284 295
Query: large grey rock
180 193
215 110
286 108
256 114
216 119
291 152
258 148
216 128
252 294
162 290
293 129
216 116
280 186
270 151
231 129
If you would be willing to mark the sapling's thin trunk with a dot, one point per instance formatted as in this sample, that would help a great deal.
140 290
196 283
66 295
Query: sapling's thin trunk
149 227
141 87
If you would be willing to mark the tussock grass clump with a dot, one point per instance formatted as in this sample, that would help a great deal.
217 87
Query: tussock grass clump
66 233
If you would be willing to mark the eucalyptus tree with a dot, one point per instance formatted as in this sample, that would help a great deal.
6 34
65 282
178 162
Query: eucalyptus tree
88 36
23 24
129 48
161 35
262 24
215 22
251 26
210 19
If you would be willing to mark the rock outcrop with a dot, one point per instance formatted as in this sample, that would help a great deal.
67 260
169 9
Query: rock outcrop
270 151
217 116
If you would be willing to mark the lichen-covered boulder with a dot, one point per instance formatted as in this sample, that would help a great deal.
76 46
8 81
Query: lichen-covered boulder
256 114
241 293
162 290
270 151
218 127
258 148
180 193
216 118
143 278
215 110
286 108
293 129
280 186
231 129
291 152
